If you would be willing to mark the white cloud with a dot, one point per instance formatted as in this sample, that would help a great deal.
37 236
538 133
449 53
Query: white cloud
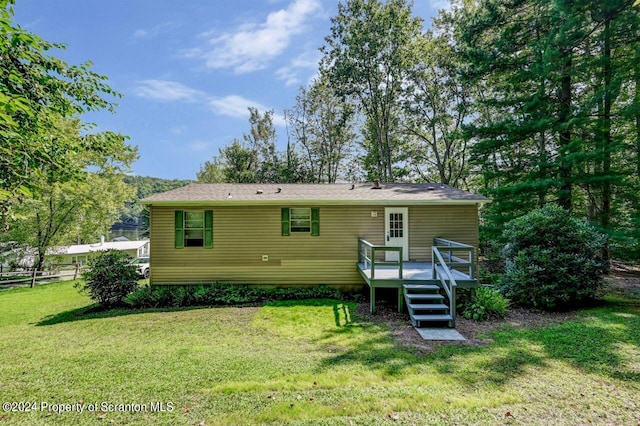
305 62
252 46
200 146
237 106
165 90
141 33
230 106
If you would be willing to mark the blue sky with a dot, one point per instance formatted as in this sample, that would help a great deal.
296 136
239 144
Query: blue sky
188 70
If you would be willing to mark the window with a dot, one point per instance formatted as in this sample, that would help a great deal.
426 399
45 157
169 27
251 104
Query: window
300 220
194 228
79 259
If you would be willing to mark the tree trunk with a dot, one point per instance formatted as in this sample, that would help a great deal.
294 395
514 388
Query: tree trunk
605 209
565 166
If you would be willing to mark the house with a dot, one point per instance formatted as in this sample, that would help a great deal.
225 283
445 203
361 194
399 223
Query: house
79 253
312 234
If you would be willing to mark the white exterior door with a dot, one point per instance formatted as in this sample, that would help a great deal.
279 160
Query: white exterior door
397 231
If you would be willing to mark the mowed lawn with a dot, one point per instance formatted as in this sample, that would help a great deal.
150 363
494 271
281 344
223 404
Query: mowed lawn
310 362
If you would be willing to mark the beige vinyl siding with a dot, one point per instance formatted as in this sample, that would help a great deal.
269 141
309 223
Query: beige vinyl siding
456 223
242 235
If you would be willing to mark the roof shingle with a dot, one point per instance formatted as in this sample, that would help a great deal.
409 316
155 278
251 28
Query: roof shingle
388 193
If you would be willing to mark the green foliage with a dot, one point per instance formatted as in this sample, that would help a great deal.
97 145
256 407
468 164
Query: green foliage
553 261
558 116
436 103
486 303
110 277
254 159
69 202
323 126
135 215
222 294
34 87
367 57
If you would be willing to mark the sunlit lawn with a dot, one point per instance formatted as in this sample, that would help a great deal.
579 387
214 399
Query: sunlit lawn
308 362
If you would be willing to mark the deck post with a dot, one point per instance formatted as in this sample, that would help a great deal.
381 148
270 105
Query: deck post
372 296
452 305
400 299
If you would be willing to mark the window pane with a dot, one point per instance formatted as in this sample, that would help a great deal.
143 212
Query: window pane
301 220
194 220
193 242
301 213
194 229
193 233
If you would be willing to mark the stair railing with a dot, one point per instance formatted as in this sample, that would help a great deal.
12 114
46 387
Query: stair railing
456 254
448 282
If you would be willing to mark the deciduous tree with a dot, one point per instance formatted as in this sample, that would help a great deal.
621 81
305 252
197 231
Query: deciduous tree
367 56
80 200
32 81
322 125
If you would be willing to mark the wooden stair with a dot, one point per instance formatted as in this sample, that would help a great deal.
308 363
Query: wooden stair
426 304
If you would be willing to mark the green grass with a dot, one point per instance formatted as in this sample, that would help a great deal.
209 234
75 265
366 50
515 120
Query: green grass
306 362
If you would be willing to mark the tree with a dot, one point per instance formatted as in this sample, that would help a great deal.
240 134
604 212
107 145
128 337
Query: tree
367 56
261 141
322 125
32 82
547 74
255 159
211 171
71 203
437 103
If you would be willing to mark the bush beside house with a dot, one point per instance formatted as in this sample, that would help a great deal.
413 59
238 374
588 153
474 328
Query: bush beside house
110 277
552 260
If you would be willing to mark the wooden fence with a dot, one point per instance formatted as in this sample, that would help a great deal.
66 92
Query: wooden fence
31 277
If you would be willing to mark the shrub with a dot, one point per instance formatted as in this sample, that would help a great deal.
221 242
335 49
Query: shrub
552 261
487 302
110 277
222 294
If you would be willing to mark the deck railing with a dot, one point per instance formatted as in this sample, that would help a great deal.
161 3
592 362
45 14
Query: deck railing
456 255
367 256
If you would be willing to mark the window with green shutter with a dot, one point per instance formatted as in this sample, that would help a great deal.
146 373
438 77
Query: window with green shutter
315 222
286 222
194 228
179 229
208 229
300 220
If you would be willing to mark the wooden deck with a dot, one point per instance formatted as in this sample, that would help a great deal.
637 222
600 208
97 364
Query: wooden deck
378 273
414 272
387 276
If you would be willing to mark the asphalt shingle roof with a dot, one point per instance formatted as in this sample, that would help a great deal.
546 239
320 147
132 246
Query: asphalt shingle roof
388 193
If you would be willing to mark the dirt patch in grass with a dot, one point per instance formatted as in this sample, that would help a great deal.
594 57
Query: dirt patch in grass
624 279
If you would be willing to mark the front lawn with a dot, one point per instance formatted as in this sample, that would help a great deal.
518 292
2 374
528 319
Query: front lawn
310 362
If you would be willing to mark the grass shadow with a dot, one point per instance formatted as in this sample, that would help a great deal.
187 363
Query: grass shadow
603 341
341 310
95 311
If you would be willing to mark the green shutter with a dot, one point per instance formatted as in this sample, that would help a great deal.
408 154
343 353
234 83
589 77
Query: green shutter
286 222
315 222
208 229
179 229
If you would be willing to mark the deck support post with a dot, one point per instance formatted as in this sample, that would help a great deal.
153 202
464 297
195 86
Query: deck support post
372 296
452 309
400 299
